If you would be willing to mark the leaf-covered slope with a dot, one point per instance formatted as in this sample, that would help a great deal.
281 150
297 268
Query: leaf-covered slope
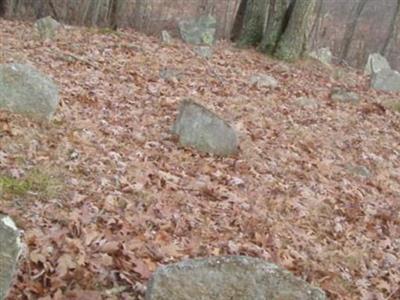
131 199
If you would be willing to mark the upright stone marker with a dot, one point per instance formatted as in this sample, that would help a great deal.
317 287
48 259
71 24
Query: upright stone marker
227 278
25 90
376 63
47 27
10 249
198 127
386 80
199 32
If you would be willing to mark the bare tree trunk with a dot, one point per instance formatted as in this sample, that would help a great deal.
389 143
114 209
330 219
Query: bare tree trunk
253 23
3 8
113 14
239 19
351 27
393 31
278 15
293 42
317 23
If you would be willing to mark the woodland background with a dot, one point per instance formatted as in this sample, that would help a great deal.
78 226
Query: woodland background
373 25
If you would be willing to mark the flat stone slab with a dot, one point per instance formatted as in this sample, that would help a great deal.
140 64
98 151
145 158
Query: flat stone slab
227 278
25 90
200 128
10 250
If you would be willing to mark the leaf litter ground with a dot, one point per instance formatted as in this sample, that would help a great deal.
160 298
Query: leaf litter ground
315 187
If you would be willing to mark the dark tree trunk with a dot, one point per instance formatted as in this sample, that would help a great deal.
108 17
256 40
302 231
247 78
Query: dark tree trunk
113 14
317 23
351 27
393 30
253 22
238 23
278 16
293 42
3 8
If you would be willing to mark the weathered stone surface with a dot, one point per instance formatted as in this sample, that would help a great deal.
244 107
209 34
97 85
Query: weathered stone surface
376 63
10 249
205 52
200 128
226 278
166 37
361 171
307 103
47 27
263 80
386 80
199 32
340 95
25 90
323 55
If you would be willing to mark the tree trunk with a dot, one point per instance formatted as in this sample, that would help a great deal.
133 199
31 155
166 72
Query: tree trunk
239 19
253 22
393 31
278 14
293 42
3 8
113 14
351 27
317 24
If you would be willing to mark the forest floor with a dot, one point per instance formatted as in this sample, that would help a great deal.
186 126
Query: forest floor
104 195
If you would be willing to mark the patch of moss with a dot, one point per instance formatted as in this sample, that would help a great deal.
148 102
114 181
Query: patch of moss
35 182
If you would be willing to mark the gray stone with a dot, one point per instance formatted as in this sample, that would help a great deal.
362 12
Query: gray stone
166 37
10 250
47 27
25 90
360 171
199 32
323 55
376 63
305 102
226 278
340 95
386 80
200 128
205 52
263 80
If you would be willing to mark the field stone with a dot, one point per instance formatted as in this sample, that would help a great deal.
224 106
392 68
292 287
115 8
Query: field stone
166 37
47 27
200 128
205 52
10 250
386 80
226 278
27 91
324 55
263 80
344 96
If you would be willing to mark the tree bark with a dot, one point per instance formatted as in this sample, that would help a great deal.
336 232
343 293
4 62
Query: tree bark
351 27
278 15
393 31
293 42
113 14
3 8
253 22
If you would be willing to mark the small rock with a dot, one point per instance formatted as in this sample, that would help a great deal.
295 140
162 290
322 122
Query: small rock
360 171
170 74
263 80
198 127
386 80
376 63
306 102
344 96
166 37
227 278
199 32
10 250
205 52
323 55
25 90
47 27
